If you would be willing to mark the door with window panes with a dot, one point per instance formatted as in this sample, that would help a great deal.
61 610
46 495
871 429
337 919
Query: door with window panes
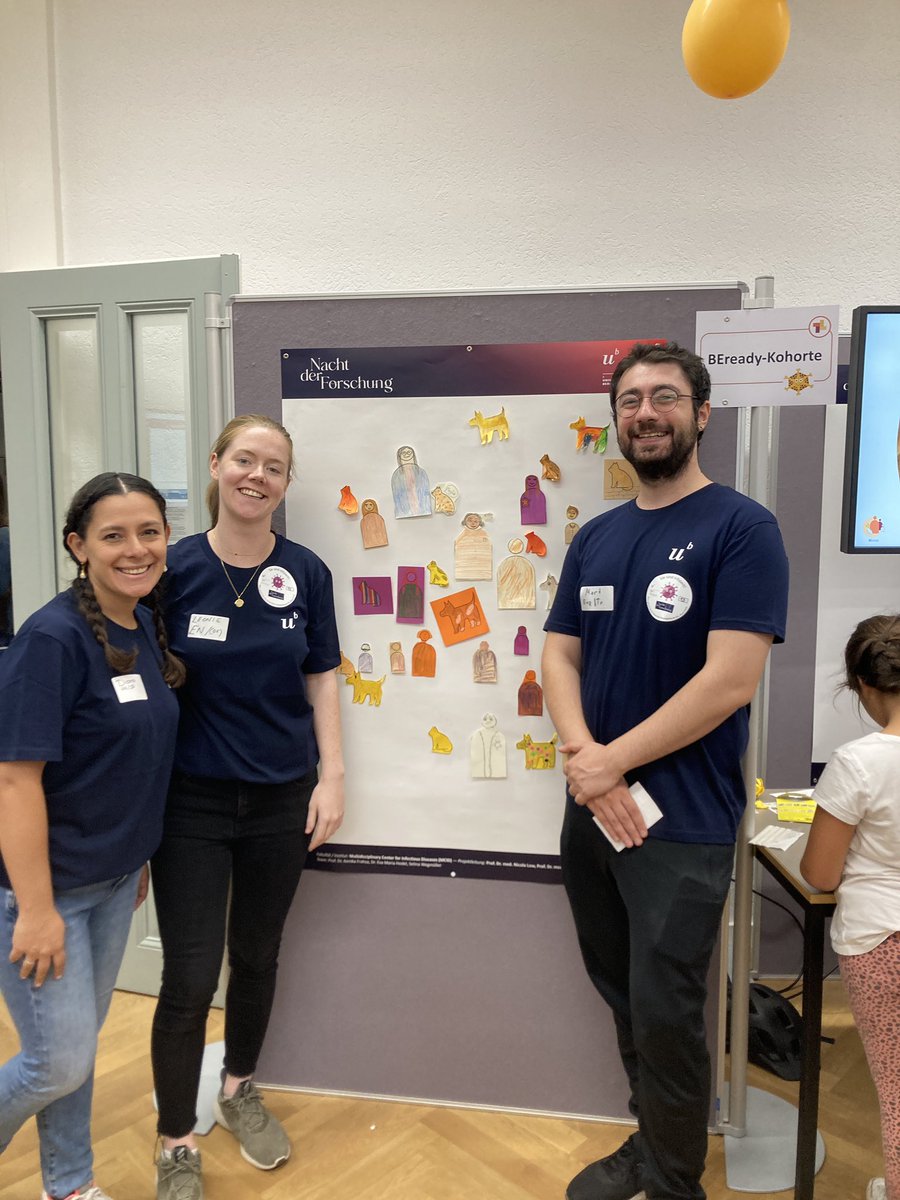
109 368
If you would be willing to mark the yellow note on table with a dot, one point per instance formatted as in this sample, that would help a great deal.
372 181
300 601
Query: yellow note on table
795 806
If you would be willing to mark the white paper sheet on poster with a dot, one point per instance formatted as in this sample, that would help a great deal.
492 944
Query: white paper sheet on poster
398 792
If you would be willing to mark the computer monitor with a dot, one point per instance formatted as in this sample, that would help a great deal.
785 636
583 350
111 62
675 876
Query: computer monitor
870 520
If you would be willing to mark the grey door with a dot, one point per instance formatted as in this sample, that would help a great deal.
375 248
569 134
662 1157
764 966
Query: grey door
109 368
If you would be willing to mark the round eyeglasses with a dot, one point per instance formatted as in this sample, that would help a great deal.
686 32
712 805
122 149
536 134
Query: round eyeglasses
663 400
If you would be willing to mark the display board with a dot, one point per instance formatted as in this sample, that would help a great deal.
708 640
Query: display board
445 567
468 990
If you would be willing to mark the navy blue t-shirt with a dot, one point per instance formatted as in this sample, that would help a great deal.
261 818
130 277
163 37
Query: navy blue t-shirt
107 762
244 709
642 589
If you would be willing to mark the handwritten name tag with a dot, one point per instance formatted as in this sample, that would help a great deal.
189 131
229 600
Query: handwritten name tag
213 629
597 599
129 687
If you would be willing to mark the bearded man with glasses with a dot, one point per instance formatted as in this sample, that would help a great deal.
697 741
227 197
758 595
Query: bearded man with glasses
663 619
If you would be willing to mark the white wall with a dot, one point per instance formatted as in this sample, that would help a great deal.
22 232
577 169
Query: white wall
421 144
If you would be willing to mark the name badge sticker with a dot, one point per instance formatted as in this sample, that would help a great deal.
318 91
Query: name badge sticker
208 627
669 597
277 587
597 598
129 687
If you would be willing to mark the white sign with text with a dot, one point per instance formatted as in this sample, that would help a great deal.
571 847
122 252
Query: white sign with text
770 356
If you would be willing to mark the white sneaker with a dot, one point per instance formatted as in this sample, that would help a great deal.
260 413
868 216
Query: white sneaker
875 1190
89 1192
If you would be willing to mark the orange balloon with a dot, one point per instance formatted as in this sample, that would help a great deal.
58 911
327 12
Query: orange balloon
731 47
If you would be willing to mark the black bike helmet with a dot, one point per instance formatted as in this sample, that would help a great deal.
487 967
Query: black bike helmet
774 1034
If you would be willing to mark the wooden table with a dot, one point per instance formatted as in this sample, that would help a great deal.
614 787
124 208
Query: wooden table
817 907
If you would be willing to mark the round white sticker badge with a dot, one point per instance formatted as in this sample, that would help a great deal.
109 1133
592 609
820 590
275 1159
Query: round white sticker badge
277 587
669 597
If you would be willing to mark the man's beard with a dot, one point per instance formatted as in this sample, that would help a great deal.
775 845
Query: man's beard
653 470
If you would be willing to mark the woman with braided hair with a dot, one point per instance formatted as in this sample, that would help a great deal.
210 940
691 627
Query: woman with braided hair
87 736
854 848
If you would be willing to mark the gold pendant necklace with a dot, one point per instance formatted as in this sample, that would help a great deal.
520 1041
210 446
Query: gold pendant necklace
238 595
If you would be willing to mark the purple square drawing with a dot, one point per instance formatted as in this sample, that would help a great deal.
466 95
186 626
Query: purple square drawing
372 594
410 595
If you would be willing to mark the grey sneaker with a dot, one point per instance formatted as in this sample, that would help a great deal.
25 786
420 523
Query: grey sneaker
178 1175
263 1141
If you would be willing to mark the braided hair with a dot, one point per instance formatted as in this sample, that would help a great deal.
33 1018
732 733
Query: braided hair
872 655
78 519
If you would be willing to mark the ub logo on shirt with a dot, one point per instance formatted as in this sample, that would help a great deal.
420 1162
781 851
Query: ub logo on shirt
677 552
290 622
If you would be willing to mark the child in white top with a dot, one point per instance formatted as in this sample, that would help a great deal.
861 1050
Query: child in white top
854 847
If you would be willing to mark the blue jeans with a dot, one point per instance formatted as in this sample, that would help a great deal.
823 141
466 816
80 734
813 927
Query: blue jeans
52 1076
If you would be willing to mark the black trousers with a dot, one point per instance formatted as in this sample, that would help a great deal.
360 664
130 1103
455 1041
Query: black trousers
220 835
647 922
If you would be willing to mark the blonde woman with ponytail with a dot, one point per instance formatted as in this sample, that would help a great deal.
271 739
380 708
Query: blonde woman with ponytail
258 782
87 735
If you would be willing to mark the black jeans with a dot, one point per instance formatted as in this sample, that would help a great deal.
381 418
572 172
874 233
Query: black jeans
220 834
647 922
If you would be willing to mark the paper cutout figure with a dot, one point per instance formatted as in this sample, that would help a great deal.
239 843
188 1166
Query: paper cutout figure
440 743
473 552
539 756
531 696
521 645
398 662
364 662
487 750
515 579
484 664
372 526
348 504
550 584
446 497
488 426
410 595
572 527
346 668
460 617
590 435
424 658
372 594
533 502
535 545
410 487
620 481
366 689
436 576
550 470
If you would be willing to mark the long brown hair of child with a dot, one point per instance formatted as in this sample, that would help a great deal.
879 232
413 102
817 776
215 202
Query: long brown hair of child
872 655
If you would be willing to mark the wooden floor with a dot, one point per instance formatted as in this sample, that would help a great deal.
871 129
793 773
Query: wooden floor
346 1149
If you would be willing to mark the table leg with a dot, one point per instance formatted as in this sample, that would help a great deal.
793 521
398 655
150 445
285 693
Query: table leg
811 1046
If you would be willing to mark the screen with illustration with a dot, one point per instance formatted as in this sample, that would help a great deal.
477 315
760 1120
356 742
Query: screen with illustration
871 508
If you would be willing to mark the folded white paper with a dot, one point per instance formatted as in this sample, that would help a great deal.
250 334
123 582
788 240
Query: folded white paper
776 837
650 811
